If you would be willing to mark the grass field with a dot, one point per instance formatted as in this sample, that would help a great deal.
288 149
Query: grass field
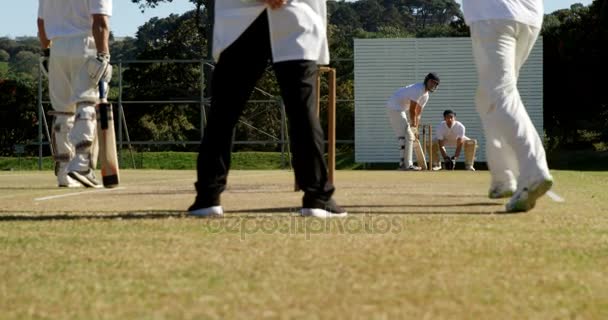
419 245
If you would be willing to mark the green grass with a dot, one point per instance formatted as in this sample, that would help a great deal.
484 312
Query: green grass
182 161
416 245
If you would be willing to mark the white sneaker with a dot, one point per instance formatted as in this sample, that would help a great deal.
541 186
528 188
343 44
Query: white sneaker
321 213
436 167
525 199
331 210
87 178
410 168
64 181
215 211
501 191
469 168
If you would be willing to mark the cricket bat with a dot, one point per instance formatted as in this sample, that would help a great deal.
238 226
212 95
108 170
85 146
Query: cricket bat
107 139
420 155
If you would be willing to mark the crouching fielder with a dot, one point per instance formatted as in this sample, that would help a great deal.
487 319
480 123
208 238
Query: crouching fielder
78 31
451 133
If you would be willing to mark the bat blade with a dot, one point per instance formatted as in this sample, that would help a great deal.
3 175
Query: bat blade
107 146
420 155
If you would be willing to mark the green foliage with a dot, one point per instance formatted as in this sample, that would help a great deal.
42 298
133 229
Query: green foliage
18 114
4 56
575 63
4 72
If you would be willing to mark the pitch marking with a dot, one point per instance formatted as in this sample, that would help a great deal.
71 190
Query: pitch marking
75 194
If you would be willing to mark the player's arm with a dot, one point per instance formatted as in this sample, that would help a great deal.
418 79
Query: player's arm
45 43
414 113
441 144
101 33
459 143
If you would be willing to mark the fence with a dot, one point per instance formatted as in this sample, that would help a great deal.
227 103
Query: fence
203 101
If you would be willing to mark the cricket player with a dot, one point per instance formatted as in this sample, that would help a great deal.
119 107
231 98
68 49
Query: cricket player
404 109
292 36
503 33
451 133
76 33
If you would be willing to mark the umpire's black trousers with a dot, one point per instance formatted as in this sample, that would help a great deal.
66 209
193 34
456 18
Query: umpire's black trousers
239 68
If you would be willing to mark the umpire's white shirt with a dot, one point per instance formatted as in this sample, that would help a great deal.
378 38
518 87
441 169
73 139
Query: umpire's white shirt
401 99
298 30
53 12
529 12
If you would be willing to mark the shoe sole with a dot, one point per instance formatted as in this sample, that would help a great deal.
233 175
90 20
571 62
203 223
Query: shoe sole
215 211
504 194
321 213
84 180
529 203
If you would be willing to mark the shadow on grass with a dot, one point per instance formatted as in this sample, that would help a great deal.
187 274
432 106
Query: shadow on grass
357 210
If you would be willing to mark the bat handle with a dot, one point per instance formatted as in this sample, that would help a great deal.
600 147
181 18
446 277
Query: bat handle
103 87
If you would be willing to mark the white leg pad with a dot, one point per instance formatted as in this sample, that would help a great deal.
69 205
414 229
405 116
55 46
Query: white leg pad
83 136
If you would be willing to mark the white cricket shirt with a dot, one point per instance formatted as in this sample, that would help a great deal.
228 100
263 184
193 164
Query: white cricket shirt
529 12
298 30
450 135
401 99
64 18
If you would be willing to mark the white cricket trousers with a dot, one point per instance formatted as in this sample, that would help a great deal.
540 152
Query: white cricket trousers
514 150
404 134
73 97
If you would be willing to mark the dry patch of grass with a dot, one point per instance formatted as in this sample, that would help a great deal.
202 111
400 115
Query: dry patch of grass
417 245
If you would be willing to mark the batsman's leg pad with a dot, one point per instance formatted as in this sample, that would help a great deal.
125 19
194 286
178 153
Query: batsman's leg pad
470 149
401 151
436 156
84 136
408 149
62 126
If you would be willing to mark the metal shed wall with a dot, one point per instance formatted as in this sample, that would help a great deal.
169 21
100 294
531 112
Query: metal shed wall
384 65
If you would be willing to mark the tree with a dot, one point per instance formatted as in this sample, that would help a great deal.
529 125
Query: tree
18 114
4 56
574 63
25 64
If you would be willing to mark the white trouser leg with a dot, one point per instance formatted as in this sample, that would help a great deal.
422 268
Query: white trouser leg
83 137
514 148
404 134
69 85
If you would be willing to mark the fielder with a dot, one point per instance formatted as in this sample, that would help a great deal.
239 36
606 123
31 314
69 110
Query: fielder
451 133
503 33
76 33
404 109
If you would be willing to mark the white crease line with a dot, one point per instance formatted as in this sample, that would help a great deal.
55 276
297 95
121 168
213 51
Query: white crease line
555 197
76 193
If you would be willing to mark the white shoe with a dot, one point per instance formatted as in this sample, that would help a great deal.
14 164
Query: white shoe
436 167
410 168
321 213
501 191
215 211
525 199
331 210
64 181
87 178
469 168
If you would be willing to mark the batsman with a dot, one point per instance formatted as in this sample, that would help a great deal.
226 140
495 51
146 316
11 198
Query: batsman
74 35
404 110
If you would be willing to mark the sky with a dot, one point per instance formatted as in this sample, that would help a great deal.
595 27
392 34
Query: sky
19 18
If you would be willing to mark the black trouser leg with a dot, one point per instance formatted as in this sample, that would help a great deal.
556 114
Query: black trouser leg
297 80
235 75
